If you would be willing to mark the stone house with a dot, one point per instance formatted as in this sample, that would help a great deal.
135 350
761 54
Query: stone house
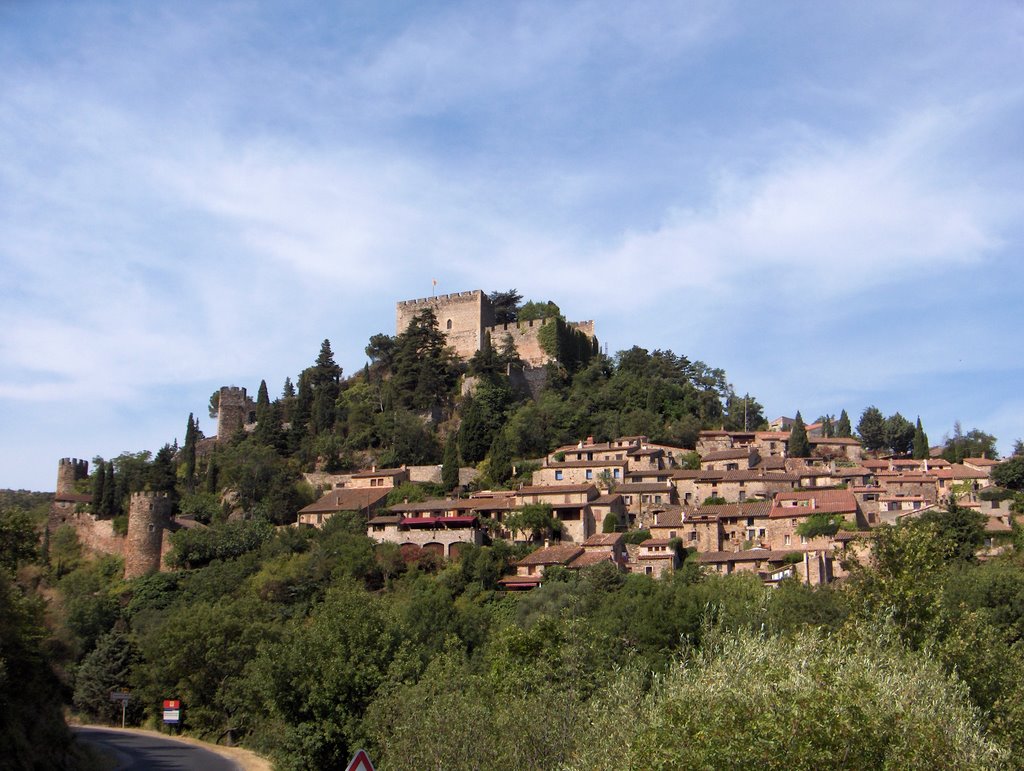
641 498
570 503
655 557
835 448
575 472
730 460
790 509
364 500
379 477
442 527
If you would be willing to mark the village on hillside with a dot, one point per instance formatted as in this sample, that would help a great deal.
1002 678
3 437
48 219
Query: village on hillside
737 501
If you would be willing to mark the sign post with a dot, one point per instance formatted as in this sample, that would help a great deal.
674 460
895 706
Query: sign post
172 711
123 697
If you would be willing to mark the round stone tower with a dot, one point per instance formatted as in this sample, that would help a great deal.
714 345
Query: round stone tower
69 471
148 517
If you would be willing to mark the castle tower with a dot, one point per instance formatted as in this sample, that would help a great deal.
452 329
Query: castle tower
149 514
69 471
233 412
461 316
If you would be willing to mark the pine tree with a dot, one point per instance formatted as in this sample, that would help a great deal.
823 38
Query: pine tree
921 449
799 447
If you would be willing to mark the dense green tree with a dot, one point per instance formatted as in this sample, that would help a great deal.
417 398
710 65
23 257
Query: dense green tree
108 667
799 446
973 444
19 539
871 429
499 460
506 306
843 427
425 369
1010 473
534 311
960 530
99 478
899 434
111 504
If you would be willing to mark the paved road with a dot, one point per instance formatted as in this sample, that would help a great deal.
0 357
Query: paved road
141 752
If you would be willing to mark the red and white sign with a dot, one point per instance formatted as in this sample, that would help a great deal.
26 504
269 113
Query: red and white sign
360 762
172 711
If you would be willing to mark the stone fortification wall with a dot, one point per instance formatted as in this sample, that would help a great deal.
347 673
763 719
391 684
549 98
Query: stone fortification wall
69 471
234 411
524 335
149 514
94 534
586 327
461 316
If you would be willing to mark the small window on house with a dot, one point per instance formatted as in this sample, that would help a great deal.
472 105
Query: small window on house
750 521
787 540
760 533
449 324
558 475
803 539
615 473
152 527
648 570
693 535
590 473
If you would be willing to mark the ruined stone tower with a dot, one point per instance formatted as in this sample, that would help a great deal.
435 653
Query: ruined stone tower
149 515
69 471
235 411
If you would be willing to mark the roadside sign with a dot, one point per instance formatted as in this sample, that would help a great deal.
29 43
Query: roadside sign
360 762
172 711
123 697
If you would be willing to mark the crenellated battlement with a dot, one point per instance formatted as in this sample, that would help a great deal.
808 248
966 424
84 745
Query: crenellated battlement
149 494
69 471
471 294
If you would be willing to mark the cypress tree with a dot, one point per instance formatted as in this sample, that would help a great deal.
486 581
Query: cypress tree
450 464
188 454
110 506
843 427
799 447
98 478
921 449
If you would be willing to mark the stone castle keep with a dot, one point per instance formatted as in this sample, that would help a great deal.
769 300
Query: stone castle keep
466 318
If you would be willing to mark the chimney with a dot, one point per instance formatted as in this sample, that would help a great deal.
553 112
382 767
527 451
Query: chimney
590 440
547 542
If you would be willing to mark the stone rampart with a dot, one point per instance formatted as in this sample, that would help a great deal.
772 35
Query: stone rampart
234 411
525 335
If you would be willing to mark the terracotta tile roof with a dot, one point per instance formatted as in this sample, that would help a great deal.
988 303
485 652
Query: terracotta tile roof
385 519
814 502
981 461
751 509
587 464
661 473
603 539
608 499
672 516
437 504
381 472
832 440
347 499
645 487
556 489
588 558
560 554
73 497
686 473
725 455
656 542
959 471
750 555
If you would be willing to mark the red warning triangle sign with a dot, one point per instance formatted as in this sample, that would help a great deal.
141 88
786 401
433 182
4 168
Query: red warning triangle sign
360 762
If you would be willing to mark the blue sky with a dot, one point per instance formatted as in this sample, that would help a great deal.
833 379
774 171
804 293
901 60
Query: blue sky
823 199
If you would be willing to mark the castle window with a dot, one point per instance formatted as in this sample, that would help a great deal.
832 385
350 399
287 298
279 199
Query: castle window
449 324
152 527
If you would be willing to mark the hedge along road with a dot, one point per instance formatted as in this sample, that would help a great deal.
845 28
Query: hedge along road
135 750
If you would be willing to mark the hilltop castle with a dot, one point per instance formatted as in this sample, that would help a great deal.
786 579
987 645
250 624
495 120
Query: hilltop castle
466 318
